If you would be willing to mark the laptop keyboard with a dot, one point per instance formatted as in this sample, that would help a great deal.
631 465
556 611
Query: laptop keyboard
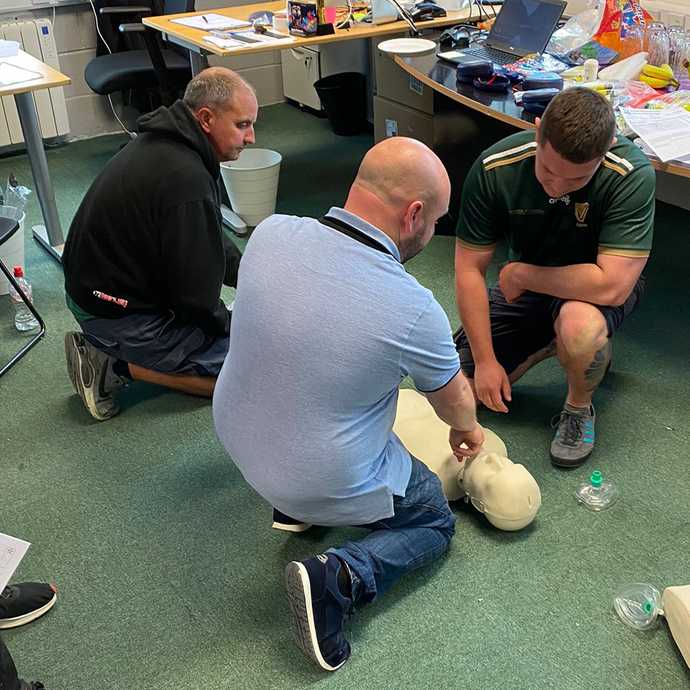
496 56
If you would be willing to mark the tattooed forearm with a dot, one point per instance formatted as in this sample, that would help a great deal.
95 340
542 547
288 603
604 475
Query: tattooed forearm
597 367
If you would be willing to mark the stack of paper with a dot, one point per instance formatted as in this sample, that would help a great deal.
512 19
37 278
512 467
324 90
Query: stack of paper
8 48
666 132
254 37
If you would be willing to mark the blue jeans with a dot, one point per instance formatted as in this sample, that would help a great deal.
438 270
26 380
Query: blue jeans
419 532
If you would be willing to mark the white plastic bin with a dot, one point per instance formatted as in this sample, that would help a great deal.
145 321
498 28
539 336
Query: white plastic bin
12 252
252 184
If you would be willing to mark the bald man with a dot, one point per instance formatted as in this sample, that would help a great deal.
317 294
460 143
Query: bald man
306 399
146 256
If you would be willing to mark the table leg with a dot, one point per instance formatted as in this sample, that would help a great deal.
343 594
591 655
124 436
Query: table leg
52 240
198 61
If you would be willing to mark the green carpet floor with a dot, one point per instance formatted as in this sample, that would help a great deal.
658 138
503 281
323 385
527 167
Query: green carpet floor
171 579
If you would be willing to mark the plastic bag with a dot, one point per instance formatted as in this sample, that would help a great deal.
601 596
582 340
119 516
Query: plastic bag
578 30
617 15
16 195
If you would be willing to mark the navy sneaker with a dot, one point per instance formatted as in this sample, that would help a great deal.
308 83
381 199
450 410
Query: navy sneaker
287 524
22 603
319 609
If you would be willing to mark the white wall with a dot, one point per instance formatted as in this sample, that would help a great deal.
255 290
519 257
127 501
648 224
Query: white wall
90 114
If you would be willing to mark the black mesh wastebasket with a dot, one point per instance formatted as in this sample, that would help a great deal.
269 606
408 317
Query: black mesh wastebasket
343 97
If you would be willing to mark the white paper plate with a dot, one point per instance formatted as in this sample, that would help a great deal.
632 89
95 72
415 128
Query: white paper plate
407 46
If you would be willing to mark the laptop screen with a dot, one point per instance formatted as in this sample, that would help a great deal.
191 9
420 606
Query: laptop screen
525 26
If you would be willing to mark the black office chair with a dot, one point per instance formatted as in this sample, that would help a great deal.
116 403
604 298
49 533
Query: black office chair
8 227
152 68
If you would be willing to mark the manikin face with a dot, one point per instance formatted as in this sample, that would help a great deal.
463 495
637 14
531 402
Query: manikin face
230 129
505 492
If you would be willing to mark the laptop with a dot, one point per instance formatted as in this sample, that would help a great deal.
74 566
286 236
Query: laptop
522 27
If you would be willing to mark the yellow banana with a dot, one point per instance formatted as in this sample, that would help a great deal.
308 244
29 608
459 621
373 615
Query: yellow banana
658 77
657 83
663 72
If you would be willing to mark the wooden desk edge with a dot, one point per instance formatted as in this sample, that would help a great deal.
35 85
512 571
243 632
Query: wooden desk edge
670 168
50 78
178 32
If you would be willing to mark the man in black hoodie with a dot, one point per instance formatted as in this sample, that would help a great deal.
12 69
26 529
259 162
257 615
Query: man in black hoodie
146 256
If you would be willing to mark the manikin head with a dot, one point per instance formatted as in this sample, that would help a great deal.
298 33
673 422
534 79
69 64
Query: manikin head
226 109
576 131
402 189
505 492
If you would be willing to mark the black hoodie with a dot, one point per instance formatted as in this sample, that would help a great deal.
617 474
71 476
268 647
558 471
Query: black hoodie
148 232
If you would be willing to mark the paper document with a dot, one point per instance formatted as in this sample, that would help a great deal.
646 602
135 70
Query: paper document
666 132
647 149
209 21
11 74
225 42
262 38
9 48
12 551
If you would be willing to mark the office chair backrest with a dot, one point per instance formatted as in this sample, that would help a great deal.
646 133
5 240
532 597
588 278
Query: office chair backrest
177 6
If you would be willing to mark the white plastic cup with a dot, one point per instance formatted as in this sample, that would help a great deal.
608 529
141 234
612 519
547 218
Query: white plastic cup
252 184
12 252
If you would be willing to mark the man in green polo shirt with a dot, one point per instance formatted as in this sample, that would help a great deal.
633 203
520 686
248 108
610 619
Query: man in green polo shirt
575 205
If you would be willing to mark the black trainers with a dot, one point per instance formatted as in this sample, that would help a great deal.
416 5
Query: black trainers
287 524
92 375
319 609
574 439
22 603
34 685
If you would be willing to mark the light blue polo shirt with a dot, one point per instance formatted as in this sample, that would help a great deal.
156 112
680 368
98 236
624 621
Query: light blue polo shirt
324 329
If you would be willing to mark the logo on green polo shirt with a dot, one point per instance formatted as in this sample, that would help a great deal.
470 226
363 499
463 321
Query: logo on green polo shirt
581 211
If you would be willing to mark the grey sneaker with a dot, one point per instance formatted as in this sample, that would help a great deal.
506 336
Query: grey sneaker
92 375
574 439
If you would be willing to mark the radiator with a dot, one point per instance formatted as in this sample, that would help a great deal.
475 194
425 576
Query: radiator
36 38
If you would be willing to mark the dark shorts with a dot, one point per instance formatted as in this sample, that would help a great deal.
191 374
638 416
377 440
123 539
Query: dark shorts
158 342
521 329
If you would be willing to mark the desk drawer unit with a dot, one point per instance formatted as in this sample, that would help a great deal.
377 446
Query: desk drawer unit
302 66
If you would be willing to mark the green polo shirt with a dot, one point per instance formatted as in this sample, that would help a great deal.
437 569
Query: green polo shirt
613 214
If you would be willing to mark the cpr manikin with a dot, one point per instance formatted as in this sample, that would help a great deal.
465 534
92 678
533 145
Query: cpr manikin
505 492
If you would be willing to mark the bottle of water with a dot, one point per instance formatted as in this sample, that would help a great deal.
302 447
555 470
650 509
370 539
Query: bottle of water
24 320
597 494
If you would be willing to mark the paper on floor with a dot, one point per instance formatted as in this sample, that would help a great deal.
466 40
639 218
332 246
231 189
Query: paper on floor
12 551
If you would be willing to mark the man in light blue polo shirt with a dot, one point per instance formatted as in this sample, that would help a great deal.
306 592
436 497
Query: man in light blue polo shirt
326 324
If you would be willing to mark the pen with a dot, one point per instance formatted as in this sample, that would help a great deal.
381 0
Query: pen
203 16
